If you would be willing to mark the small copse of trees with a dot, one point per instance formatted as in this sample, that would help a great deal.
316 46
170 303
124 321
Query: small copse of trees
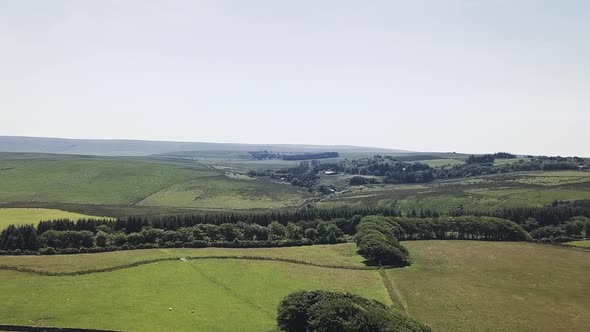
376 242
320 310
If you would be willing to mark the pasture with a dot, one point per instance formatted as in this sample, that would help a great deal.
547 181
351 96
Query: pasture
453 286
93 180
224 192
22 216
477 193
496 286
136 185
226 295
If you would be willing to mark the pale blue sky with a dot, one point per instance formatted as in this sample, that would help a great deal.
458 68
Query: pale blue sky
469 76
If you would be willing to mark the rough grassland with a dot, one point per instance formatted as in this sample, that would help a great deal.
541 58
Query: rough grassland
88 180
224 192
496 286
22 216
478 193
159 183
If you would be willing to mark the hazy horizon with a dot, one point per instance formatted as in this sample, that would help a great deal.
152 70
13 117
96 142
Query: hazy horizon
463 76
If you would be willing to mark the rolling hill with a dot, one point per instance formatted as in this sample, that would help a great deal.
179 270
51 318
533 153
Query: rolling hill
109 147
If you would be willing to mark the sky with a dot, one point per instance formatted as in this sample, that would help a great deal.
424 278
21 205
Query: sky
465 76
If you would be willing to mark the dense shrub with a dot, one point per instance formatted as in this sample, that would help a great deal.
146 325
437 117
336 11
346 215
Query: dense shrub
576 228
331 311
359 181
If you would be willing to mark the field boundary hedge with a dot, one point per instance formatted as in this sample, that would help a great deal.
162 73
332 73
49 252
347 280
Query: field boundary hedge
192 258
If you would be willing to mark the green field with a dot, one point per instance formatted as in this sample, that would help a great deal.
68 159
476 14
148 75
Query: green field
442 162
21 216
227 295
496 286
477 193
228 192
152 185
217 181
88 179
581 243
453 286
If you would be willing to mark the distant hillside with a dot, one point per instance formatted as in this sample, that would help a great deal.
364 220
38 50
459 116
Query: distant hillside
144 148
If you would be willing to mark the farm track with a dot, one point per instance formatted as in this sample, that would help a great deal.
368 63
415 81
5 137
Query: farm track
168 259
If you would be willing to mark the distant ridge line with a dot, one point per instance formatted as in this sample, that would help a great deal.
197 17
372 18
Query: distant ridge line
131 147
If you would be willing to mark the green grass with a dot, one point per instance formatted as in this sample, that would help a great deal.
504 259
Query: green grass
452 285
88 179
499 162
227 295
22 216
153 185
442 162
223 192
340 254
496 286
581 243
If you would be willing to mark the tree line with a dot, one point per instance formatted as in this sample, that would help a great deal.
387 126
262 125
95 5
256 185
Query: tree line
65 236
558 212
266 155
93 235
460 228
574 229
308 156
346 218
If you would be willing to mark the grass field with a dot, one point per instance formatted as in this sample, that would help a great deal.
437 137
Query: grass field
453 286
227 295
343 254
478 193
496 286
442 162
581 243
37 180
21 216
228 192
88 179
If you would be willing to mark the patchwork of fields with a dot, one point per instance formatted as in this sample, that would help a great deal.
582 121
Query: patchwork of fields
146 186
478 193
453 286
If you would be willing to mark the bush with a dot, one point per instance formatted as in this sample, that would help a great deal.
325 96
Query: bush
358 181
331 311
